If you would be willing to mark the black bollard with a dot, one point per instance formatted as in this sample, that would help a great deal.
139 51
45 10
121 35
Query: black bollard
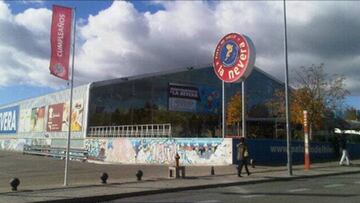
212 170
14 183
104 177
139 175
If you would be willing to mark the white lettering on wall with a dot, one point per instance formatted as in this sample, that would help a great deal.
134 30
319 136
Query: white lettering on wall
8 121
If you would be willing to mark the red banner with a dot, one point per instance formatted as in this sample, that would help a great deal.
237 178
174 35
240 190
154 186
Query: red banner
60 41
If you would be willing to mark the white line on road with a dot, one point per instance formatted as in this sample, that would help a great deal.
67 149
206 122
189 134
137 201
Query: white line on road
357 182
299 190
252 196
333 185
209 201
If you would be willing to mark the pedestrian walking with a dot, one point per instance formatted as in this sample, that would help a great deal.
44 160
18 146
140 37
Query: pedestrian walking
242 156
343 148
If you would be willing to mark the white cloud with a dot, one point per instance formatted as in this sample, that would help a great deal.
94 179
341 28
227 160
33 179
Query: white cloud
120 41
24 47
39 2
36 20
5 12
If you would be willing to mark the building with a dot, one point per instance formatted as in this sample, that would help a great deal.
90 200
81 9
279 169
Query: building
150 118
190 100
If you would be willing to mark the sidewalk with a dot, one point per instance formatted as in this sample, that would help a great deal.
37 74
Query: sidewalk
197 178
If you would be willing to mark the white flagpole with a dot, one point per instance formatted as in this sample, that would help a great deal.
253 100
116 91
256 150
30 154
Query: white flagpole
71 98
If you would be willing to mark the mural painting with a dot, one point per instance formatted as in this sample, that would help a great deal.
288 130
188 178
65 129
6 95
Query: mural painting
96 149
196 151
120 150
12 144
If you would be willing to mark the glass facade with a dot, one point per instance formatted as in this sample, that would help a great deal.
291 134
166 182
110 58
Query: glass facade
189 99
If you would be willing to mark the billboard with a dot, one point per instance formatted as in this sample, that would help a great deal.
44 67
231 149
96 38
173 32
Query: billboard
25 120
183 97
9 120
37 119
188 98
55 117
58 117
76 116
210 100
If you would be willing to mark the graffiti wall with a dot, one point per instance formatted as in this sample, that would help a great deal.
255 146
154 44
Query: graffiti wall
18 144
12 144
195 151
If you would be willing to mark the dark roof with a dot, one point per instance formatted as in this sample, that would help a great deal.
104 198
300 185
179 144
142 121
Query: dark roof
172 71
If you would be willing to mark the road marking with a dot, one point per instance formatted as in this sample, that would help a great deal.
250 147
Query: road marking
357 182
333 185
209 201
252 196
299 190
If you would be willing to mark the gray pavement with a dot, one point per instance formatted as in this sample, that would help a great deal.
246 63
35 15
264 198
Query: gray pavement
334 189
42 177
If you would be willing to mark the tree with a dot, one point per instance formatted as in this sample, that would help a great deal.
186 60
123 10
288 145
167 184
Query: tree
276 104
351 114
302 99
314 91
318 93
233 109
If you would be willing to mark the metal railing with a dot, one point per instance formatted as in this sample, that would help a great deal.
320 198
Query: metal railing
145 130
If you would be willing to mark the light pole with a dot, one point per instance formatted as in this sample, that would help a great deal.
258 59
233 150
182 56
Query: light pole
288 127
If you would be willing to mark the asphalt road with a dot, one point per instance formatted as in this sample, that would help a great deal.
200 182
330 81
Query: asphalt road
330 189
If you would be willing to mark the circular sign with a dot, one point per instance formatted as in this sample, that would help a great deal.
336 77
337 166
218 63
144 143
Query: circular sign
234 57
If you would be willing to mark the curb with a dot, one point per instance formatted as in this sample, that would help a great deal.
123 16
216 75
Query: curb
102 198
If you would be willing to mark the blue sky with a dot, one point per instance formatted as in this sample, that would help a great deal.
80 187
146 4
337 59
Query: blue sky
84 8
117 39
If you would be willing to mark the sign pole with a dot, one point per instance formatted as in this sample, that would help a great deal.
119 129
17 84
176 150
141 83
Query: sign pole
288 127
71 98
223 109
306 142
243 109
234 59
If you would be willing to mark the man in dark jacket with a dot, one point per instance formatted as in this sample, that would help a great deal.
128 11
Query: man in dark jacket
242 156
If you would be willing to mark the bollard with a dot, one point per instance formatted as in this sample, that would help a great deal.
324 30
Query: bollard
14 183
139 174
104 177
212 170
177 158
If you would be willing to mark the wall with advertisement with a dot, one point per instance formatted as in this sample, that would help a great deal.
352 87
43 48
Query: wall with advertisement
58 117
47 116
273 152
